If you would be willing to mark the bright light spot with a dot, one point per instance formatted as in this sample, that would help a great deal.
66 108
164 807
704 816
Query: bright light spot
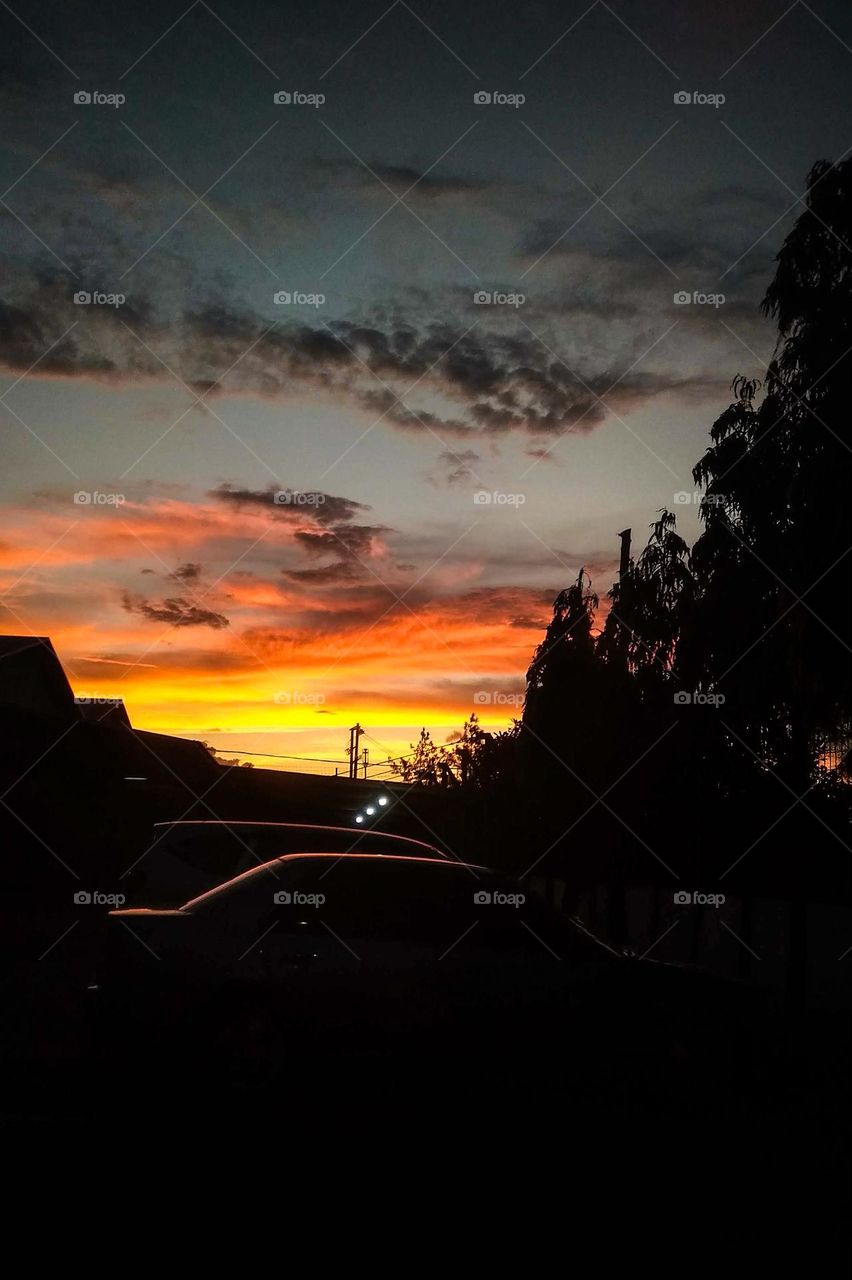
383 799
370 810
359 818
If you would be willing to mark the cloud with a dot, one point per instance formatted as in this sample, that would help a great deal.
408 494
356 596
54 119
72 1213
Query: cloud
331 575
487 381
455 468
329 529
356 540
401 178
325 508
189 572
176 611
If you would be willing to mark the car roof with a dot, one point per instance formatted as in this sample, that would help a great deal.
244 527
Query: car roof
369 858
360 832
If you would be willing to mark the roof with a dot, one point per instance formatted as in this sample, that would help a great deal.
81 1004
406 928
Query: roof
161 758
267 868
109 712
32 679
319 832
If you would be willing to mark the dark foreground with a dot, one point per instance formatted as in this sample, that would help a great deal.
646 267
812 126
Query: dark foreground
773 1092
404 1023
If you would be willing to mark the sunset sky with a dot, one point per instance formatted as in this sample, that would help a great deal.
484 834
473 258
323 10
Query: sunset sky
380 589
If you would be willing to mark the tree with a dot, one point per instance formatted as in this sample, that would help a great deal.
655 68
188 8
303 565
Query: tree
481 759
428 765
567 650
476 759
649 607
776 512
563 726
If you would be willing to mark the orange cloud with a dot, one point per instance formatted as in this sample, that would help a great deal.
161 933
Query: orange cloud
302 653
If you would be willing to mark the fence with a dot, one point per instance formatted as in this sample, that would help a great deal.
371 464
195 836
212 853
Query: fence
750 939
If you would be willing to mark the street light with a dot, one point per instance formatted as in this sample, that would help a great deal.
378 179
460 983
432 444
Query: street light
383 800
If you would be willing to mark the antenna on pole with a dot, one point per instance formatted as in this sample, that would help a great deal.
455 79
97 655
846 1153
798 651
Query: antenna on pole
624 566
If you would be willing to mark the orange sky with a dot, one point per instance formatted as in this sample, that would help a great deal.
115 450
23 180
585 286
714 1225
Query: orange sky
297 663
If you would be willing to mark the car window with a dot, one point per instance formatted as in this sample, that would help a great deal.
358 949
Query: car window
436 904
217 852
256 887
443 905
219 848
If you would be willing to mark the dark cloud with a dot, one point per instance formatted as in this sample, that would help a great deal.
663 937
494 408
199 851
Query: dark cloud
502 380
357 540
330 530
324 508
176 611
187 572
342 572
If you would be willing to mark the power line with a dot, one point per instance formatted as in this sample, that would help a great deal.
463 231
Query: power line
383 764
277 755
273 755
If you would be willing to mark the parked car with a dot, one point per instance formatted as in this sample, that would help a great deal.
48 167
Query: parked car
186 858
326 957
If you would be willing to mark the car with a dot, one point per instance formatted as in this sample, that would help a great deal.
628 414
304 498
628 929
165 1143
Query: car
326 957
185 858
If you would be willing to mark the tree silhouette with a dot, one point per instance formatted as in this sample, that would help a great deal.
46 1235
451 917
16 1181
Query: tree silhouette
476 759
567 727
428 766
776 508
481 759
649 607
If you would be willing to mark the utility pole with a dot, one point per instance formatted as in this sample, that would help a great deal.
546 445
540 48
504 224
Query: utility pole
354 735
364 753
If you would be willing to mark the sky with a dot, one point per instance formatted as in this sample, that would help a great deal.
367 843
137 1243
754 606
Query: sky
336 338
